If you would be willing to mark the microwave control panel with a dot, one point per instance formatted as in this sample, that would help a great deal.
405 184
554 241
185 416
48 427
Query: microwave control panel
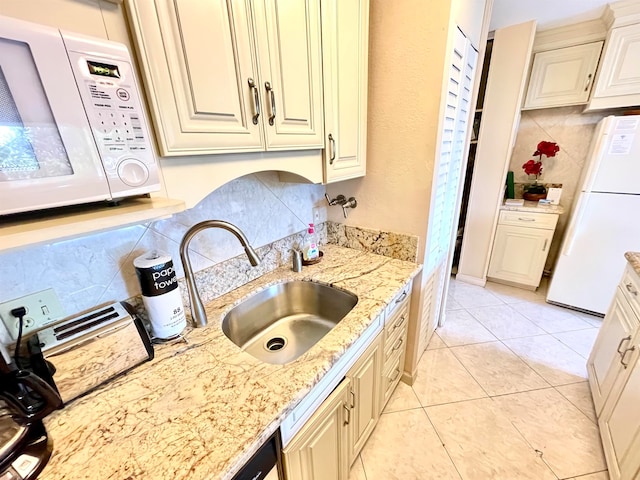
114 109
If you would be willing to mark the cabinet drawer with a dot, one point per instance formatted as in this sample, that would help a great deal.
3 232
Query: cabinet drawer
401 300
395 344
390 379
546 221
397 321
630 286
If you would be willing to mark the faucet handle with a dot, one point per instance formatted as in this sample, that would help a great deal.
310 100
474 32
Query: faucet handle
351 203
339 200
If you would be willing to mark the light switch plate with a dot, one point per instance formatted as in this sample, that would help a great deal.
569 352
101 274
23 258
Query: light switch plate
43 309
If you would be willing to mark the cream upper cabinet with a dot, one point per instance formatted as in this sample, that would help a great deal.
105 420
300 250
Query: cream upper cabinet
345 43
231 76
289 55
618 80
563 76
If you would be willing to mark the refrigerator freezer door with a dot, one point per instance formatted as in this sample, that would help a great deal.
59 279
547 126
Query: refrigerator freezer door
615 157
604 226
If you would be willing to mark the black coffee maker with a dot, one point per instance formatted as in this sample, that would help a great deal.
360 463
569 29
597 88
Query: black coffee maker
25 399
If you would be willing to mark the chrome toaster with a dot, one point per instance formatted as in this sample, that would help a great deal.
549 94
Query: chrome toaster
82 352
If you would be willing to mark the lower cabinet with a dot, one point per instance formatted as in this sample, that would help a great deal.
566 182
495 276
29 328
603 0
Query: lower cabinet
521 247
328 443
332 438
614 377
364 404
620 424
319 451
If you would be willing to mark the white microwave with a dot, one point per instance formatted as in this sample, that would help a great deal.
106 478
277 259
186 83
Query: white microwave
72 126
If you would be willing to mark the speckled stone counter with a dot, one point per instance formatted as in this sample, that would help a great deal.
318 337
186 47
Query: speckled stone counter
200 410
534 207
634 260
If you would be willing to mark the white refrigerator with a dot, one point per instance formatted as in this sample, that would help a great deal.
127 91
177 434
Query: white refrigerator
605 219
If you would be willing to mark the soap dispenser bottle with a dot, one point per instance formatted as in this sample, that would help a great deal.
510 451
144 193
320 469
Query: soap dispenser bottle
310 251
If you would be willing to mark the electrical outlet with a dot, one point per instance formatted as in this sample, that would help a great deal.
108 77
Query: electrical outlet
317 215
43 309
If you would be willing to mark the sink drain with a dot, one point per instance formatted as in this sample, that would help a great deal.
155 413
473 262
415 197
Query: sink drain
276 343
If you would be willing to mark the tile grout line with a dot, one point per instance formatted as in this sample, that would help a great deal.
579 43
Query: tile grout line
444 446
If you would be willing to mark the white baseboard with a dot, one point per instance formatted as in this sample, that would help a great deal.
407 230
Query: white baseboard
481 282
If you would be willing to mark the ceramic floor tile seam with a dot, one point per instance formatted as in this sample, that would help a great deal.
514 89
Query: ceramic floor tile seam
442 442
502 394
449 454
585 475
539 453
401 410
555 335
523 360
467 370
555 387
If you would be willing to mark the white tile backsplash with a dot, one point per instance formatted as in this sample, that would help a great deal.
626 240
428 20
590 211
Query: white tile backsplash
98 268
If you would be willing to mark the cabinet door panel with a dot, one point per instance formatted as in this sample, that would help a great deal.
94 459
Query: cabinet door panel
319 450
289 50
620 70
345 36
519 254
365 378
604 361
197 61
620 423
563 76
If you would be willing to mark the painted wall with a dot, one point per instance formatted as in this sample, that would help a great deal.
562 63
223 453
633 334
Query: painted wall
572 130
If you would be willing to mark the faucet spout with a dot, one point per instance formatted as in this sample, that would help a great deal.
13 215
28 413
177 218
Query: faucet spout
197 308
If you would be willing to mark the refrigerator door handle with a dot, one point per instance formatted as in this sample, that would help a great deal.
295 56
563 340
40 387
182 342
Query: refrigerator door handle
573 227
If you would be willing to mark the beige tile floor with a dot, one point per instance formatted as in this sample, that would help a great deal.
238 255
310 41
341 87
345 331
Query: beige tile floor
501 394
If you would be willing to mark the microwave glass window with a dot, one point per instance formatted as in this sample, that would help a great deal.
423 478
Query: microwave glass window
30 144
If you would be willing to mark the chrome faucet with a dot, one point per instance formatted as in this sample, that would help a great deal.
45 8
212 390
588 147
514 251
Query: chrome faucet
197 308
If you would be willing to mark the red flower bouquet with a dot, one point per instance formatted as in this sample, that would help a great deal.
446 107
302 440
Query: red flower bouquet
537 191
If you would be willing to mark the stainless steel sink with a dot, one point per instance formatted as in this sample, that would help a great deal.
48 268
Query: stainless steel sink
279 324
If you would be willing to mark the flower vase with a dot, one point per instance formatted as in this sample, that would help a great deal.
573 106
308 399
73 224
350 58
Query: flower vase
536 191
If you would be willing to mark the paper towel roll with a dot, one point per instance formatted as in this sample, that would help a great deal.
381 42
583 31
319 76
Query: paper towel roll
160 294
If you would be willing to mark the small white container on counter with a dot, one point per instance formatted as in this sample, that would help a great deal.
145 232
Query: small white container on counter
160 294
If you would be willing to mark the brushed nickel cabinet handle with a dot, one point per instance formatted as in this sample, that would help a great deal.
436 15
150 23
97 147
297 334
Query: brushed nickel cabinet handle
395 377
346 407
625 365
631 289
625 339
332 151
272 94
256 100
353 399
400 321
524 219
586 87
544 248
401 297
398 345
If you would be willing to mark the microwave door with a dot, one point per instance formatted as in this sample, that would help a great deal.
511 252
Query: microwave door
48 157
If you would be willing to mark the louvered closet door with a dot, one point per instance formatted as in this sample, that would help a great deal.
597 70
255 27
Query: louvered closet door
447 176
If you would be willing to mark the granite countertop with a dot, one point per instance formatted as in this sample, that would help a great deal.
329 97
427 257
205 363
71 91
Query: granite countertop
533 207
634 260
200 410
